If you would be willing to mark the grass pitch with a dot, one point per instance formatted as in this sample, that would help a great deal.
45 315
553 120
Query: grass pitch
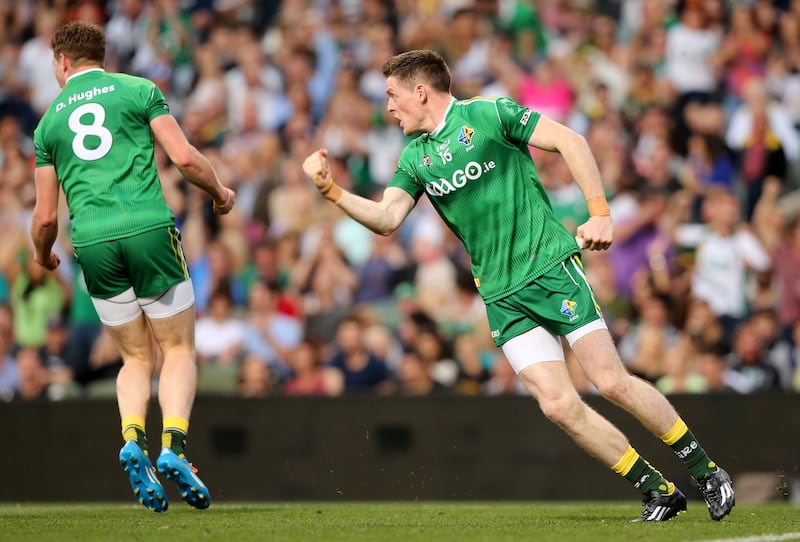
400 522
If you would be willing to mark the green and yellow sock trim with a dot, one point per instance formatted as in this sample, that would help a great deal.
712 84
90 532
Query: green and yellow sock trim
674 435
174 434
641 474
626 462
133 429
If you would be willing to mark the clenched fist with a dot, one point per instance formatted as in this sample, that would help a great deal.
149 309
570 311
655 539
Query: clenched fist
317 168
227 204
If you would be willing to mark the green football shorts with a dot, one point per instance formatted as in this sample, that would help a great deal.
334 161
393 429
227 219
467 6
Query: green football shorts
151 262
560 301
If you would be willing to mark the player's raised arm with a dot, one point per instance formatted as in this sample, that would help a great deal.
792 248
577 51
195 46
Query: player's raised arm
193 165
381 217
598 232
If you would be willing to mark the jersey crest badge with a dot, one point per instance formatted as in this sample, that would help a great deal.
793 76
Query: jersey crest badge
426 160
465 136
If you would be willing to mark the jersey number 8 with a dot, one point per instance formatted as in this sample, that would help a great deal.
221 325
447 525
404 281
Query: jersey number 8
96 129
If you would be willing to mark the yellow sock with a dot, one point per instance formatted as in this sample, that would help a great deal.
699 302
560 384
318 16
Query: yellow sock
673 435
626 462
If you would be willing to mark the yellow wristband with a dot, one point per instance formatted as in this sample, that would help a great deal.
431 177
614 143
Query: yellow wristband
327 188
332 191
598 206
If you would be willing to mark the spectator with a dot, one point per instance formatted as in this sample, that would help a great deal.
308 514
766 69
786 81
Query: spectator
638 220
219 335
53 357
704 329
749 368
378 276
327 292
414 379
379 339
36 297
711 366
362 370
472 364
708 164
215 271
83 330
125 31
33 377
787 264
9 379
644 347
41 87
743 51
762 133
503 380
690 55
255 379
435 353
255 83
680 375
725 251
269 335
309 376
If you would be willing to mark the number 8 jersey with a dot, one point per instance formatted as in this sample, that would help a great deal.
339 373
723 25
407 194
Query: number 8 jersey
96 134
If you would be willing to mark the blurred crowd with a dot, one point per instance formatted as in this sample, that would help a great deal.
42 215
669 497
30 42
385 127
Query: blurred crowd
692 109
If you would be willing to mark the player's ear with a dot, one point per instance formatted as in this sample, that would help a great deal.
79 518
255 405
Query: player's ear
421 92
62 62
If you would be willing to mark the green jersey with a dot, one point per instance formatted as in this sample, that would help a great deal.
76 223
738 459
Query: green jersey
97 136
478 173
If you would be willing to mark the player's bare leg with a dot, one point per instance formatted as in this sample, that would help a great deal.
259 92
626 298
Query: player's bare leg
176 392
134 341
133 381
178 380
597 355
550 383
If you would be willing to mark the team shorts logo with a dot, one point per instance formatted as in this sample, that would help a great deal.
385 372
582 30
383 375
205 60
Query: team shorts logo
568 309
426 160
465 136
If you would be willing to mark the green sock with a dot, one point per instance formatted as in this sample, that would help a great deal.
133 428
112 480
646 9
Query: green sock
175 440
133 429
174 434
686 447
641 474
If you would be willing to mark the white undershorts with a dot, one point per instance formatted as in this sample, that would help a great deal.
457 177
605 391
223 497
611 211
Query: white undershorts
126 307
539 345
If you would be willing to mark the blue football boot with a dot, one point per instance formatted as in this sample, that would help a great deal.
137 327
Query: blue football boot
146 487
183 473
